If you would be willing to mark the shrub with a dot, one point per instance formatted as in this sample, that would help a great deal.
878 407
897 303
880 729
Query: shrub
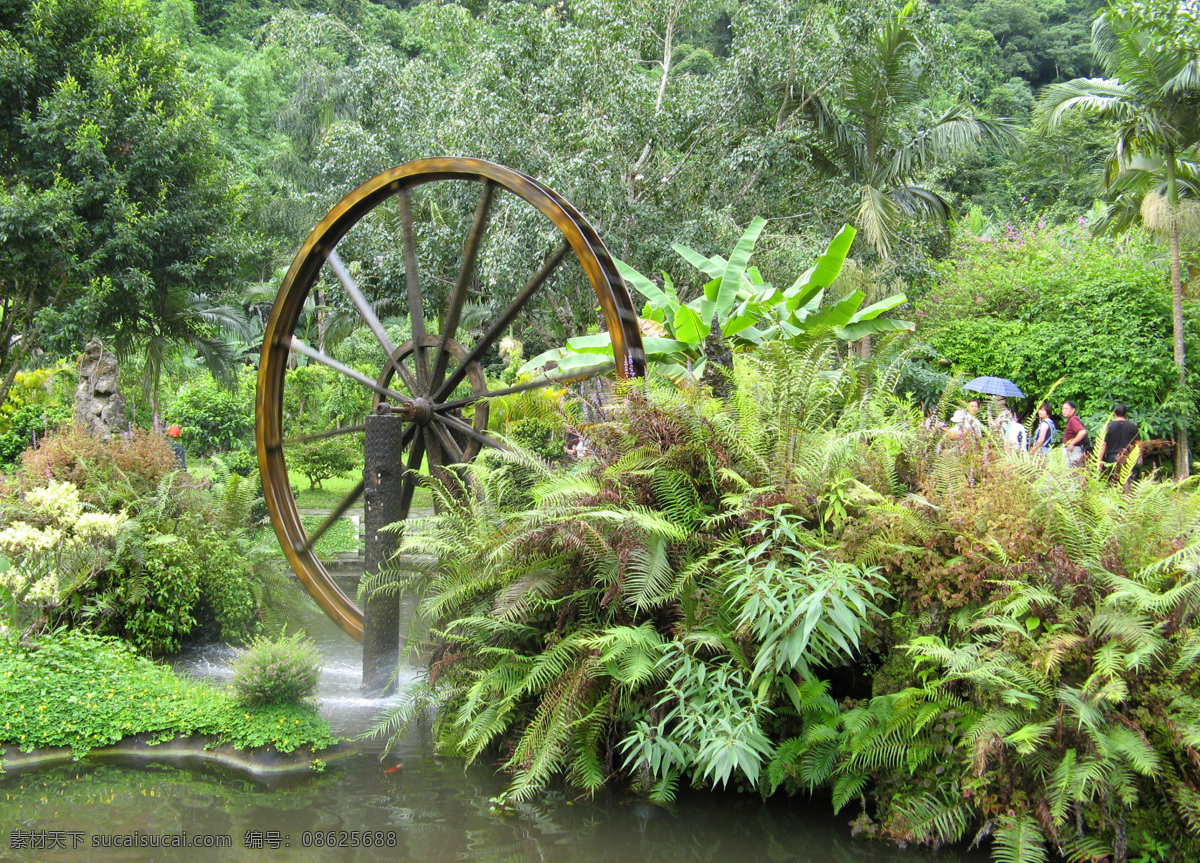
226 588
148 570
540 436
213 419
277 671
111 473
327 458
27 426
170 587
243 462
51 553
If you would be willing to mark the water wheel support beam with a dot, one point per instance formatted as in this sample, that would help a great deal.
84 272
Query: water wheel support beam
383 504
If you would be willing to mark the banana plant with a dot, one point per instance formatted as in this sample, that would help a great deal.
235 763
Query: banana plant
748 311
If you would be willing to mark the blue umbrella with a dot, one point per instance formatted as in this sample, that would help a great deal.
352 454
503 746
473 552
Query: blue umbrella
994 387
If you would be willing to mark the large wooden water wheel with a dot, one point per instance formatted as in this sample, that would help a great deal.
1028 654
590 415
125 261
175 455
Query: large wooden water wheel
434 375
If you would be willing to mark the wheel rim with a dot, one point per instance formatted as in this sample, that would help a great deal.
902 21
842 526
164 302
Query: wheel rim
435 424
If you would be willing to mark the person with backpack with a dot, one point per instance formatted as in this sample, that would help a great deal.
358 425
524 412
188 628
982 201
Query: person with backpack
1119 445
1044 436
1075 437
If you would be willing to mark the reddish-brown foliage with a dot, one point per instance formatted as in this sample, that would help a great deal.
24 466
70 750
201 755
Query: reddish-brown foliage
124 468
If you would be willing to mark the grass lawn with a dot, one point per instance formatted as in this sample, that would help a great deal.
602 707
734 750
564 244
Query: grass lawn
334 490
340 538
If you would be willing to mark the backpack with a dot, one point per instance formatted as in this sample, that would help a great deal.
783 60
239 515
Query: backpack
1054 436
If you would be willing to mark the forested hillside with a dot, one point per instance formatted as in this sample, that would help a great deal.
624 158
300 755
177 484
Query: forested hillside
662 121
164 158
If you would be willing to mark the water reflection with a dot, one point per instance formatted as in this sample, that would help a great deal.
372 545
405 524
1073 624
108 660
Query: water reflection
433 809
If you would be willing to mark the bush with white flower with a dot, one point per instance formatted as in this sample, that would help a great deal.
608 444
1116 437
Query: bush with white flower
50 552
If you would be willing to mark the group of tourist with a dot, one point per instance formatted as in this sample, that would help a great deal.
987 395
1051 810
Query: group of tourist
1117 447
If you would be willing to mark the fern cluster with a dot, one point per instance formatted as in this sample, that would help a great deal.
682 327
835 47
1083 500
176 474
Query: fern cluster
801 588
612 625
1067 665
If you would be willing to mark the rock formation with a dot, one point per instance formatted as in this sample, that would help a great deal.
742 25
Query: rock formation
99 404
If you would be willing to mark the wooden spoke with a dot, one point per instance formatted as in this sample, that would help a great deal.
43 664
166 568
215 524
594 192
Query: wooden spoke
465 273
416 309
330 520
313 354
450 449
514 308
570 377
410 431
468 429
309 438
408 482
368 314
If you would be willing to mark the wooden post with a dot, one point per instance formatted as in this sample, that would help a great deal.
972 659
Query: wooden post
382 471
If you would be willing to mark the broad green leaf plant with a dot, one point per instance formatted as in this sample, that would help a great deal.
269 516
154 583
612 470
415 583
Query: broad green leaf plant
748 311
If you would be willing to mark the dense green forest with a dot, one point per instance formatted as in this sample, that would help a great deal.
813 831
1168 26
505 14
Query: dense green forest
163 160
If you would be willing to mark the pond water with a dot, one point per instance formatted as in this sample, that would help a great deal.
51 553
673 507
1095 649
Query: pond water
429 810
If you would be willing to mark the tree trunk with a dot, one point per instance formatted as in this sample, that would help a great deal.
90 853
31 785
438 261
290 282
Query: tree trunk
718 370
1182 464
321 320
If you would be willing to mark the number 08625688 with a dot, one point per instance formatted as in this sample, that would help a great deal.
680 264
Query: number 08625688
348 839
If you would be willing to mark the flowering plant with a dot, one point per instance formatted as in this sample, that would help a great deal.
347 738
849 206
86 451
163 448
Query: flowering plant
50 553
283 670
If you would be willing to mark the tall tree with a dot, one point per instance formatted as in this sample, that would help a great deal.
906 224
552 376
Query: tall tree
1152 93
883 140
115 203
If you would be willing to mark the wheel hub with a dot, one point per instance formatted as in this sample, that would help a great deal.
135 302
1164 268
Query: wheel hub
419 411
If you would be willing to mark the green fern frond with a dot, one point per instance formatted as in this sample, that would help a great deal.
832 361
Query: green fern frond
935 819
1019 840
847 787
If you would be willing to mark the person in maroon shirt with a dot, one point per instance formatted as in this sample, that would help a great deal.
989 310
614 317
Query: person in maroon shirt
1074 435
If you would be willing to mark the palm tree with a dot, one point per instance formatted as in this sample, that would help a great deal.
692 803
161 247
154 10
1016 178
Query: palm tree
1153 97
191 321
872 144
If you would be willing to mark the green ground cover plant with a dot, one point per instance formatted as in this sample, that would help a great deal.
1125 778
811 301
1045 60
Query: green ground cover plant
85 691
